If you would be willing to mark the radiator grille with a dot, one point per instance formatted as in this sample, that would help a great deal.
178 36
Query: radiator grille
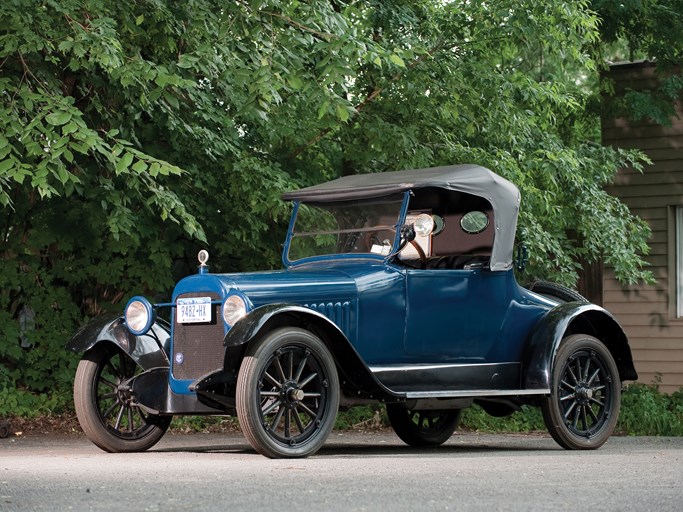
198 348
338 312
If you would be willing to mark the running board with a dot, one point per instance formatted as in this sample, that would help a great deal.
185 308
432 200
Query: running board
452 380
476 393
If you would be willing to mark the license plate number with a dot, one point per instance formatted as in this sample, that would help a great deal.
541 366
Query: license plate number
193 310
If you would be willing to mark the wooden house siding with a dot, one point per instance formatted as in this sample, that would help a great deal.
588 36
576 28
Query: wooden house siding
648 313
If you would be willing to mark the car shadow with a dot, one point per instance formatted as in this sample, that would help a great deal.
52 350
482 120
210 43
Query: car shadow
359 446
398 451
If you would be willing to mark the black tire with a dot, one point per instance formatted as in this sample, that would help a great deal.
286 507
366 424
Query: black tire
423 428
287 394
106 414
4 429
556 292
585 394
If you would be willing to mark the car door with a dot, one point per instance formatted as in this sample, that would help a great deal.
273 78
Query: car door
453 315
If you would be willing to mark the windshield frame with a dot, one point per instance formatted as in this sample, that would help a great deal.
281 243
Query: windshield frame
343 256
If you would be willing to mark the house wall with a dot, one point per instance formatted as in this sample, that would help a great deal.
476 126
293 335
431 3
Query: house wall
648 313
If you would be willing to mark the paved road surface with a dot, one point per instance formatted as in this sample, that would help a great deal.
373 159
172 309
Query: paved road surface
352 472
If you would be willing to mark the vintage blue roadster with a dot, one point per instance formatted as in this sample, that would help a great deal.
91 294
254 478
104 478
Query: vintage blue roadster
397 288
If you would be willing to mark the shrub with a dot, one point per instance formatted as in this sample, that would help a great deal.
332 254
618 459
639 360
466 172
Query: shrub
645 411
19 402
529 419
362 417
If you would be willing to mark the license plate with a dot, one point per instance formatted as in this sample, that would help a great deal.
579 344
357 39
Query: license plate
193 310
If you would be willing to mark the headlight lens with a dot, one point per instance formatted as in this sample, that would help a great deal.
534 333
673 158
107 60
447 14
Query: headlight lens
234 308
139 315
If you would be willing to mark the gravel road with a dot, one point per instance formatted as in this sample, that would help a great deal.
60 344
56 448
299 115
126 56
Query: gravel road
353 471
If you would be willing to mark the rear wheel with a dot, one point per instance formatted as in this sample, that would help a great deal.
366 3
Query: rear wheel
106 412
287 394
423 428
556 292
585 396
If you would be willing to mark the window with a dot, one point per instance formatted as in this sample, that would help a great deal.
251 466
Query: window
350 227
679 261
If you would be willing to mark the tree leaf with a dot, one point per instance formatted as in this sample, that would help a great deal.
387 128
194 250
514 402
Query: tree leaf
140 166
63 175
397 60
322 110
58 118
124 162
171 99
342 113
6 165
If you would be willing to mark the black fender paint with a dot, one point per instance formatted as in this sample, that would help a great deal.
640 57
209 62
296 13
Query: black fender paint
573 318
148 351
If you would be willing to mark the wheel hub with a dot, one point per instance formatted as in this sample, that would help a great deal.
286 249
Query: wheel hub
296 394
291 395
124 393
583 394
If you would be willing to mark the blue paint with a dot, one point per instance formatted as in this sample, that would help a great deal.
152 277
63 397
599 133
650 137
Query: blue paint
392 314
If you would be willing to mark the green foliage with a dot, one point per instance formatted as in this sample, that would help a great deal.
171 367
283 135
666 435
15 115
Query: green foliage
529 419
22 403
186 424
132 134
650 29
647 412
644 30
365 417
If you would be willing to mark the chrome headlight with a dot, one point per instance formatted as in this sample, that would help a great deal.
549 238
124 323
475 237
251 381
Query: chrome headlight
234 308
139 315
423 225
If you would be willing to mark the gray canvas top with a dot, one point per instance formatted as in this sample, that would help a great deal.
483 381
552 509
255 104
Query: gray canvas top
470 179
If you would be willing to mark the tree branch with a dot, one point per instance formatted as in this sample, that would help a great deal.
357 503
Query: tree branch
372 96
325 36
27 70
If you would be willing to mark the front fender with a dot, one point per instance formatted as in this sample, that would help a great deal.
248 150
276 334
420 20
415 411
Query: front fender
355 377
148 351
573 318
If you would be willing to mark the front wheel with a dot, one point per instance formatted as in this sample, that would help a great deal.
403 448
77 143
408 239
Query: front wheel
423 428
585 396
287 394
106 413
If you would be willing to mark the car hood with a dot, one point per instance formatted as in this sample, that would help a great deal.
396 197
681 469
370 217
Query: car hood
285 286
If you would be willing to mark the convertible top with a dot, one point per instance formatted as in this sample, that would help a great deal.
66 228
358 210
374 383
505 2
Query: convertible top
471 179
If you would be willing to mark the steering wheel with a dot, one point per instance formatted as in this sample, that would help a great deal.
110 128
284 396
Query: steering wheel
420 253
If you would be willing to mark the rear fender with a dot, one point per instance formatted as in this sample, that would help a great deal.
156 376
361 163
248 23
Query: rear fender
567 319
148 351
355 377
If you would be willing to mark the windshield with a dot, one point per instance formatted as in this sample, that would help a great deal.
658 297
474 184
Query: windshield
349 227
